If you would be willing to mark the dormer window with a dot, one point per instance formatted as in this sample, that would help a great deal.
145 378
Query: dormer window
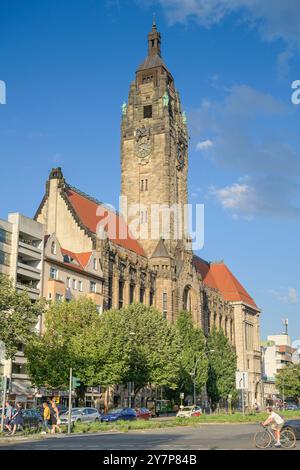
95 264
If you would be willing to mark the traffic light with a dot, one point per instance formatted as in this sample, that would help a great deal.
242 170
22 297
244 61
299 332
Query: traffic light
4 380
75 382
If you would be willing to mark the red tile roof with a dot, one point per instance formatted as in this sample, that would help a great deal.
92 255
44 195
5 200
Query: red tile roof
81 258
86 209
218 276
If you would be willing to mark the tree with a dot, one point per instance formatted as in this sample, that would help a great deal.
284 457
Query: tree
136 344
222 364
287 381
18 316
51 355
192 355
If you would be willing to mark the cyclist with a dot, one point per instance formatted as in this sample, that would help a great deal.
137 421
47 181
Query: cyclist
276 422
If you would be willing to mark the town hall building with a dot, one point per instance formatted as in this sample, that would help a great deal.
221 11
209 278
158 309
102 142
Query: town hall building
82 256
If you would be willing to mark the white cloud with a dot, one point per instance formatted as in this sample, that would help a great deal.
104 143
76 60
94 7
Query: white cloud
274 19
252 135
288 295
204 145
292 295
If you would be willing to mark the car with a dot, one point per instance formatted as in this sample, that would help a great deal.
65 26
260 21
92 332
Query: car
143 413
293 425
62 409
189 411
32 419
126 414
81 415
291 407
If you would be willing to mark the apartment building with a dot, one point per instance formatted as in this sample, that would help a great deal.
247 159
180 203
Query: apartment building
69 275
21 258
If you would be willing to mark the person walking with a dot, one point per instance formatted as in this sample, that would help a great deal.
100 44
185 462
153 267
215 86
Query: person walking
46 417
8 415
17 419
55 421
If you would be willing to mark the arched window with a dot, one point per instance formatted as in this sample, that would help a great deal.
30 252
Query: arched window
187 303
53 248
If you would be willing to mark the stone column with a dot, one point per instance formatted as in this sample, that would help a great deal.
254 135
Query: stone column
115 297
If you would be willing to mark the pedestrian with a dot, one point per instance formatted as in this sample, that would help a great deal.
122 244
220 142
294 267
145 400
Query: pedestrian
8 415
55 421
17 419
46 417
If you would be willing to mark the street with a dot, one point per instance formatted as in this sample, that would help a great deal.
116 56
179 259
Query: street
206 437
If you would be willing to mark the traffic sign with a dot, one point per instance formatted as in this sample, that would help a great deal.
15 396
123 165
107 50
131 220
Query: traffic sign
241 380
182 396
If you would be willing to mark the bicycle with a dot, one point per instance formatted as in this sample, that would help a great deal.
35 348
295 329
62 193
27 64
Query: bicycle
266 438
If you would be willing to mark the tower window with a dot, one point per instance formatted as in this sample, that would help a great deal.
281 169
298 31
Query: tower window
146 185
148 111
142 185
165 307
147 79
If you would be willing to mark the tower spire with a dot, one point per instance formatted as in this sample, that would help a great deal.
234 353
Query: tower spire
154 40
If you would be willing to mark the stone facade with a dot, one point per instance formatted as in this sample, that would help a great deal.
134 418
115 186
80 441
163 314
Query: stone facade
158 270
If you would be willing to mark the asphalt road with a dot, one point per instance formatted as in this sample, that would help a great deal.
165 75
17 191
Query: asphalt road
214 436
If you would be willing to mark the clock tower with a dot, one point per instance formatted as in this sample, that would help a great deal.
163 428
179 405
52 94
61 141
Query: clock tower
154 155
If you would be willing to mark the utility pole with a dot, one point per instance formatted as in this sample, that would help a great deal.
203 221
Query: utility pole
3 402
70 403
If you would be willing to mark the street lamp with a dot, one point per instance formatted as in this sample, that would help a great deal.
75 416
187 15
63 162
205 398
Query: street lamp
193 374
131 334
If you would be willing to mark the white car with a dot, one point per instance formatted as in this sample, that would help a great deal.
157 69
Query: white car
189 411
81 415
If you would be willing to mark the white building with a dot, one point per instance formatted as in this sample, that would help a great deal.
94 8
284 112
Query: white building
21 258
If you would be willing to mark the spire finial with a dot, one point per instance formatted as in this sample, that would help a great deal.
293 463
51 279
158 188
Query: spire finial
154 21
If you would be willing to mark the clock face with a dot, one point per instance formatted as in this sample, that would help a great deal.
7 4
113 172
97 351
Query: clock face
144 148
143 145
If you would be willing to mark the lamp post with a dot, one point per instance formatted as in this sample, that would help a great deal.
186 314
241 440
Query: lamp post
193 374
129 387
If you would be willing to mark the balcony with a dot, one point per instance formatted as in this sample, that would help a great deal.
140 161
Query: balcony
29 250
28 271
33 292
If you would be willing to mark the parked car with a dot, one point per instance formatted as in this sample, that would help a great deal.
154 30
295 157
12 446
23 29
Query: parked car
189 411
32 419
62 409
291 407
143 413
294 425
119 414
81 415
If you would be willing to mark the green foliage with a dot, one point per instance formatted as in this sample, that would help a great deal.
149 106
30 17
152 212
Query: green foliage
18 316
137 345
51 356
222 367
134 344
193 348
287 381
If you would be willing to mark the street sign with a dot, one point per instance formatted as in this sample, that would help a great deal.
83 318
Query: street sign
241 380
182 396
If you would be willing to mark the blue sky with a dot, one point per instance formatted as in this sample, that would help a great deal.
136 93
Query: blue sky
67 67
